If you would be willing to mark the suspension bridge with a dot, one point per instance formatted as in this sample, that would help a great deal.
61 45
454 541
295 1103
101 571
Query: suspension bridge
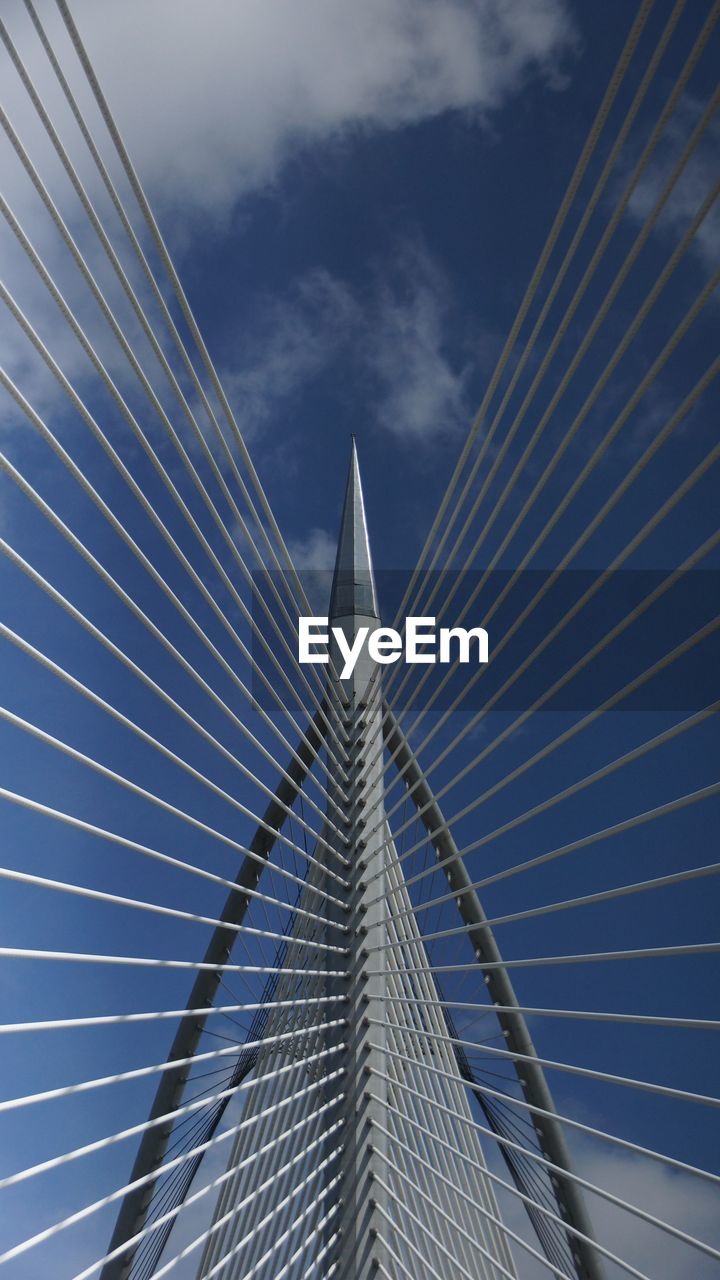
409 973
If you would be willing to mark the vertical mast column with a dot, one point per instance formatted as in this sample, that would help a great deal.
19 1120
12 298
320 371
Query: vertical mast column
353 605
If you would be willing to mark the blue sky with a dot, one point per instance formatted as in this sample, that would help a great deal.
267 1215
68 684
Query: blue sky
355 197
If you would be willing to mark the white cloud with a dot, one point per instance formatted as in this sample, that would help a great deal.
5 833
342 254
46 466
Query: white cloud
673 1197
692 188
421 393
213 98
294 338
314 558
316 551
394 332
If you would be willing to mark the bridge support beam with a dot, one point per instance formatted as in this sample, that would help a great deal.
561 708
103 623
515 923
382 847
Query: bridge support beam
134 1207
535 1089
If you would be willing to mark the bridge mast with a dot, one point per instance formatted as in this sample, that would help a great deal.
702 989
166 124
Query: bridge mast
353 604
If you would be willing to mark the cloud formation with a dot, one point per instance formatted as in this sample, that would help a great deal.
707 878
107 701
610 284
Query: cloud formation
214 98
420 390
316 551
673 1197
294 337
394 333
694 186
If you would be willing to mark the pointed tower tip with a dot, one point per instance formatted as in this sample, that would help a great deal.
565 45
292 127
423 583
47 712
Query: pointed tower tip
353 588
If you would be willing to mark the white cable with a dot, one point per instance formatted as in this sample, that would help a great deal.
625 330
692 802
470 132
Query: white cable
647 1086
136 490
527 1200
59 815
599 317
153 1015
659 1157
76 472
167 644
500 1182
605 895
601 313
641 953
101 1144
87 1210
152 962
176 913
584 842
561 506
633 1019
78 686
191 322
457 1226
651 744
263 1187
332 1240
664 586
71 244
537 1158
65 749
427 1268
322 1195
660 514
568 734
589 145
212 1186
138 1073
115 262
320 1226
172 328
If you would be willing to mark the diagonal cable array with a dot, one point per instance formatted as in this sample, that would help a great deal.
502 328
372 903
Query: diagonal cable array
449 1012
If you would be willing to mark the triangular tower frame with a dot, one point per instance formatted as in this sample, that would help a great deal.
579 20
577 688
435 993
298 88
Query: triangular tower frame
370 1065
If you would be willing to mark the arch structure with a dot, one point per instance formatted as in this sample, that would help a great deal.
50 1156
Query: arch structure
388 1145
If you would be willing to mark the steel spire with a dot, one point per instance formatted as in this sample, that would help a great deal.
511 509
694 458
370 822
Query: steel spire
353 588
